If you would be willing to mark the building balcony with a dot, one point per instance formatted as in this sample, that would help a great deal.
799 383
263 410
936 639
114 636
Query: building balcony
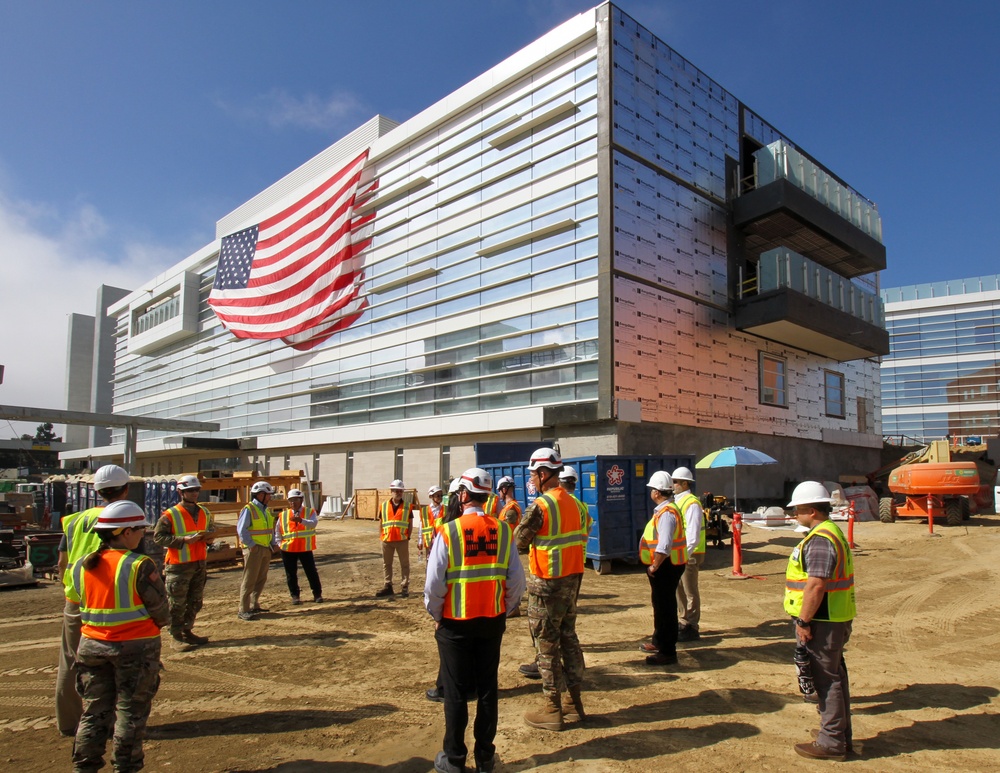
799 303
793 202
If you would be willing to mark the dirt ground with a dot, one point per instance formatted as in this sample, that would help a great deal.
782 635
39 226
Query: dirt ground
340 686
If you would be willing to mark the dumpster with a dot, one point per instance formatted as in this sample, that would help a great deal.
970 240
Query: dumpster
42 550
614 490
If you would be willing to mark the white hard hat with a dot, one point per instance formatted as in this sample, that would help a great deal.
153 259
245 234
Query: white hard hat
660 480
188 482
396 484
262 486
545 457
568 472
453 486
295 493
110 476
121 515
810 492
506 480
682 473
477 481
434 490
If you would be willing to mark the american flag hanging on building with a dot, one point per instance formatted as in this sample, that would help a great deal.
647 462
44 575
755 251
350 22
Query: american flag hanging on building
297 275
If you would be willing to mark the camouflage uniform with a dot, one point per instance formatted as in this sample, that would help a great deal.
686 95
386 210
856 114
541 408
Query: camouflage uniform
185 582
552 617
117 681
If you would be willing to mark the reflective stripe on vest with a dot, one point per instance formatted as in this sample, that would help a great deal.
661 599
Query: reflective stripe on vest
490 508
428 517
683 503
651 537
110 607
296 537
511 513
479 552
558 547
395 521
183 524
840 601
81 540
261 524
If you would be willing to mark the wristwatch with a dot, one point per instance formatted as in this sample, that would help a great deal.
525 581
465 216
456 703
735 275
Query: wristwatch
802 623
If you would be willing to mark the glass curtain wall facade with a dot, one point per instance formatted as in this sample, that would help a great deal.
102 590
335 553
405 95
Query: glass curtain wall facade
942 376
551 244
480 280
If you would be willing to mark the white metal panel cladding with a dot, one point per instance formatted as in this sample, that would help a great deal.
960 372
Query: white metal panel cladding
675 350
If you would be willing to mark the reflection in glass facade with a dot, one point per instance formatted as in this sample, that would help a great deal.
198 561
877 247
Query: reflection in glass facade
551 245
942 376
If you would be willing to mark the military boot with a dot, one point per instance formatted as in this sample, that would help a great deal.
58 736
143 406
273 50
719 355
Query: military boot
385 590
177 641
192 638
572 705
548 716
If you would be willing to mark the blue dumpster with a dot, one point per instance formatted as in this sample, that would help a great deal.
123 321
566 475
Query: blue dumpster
614 490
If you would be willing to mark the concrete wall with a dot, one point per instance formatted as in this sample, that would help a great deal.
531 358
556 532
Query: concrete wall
104 360
798 459
79 374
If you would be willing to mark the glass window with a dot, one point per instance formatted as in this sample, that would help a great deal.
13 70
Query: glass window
773 380
833 393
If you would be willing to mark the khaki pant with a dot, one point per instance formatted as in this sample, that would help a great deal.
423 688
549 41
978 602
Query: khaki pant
69 704
402 549
688 595
256 561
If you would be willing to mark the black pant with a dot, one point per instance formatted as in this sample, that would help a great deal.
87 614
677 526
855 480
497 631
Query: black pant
663 584
290 561
470 657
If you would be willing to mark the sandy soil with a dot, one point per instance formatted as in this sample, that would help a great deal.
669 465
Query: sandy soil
340 686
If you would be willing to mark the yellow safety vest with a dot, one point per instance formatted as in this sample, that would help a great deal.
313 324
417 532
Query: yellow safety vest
261 524
427 521
81 540
479 550
683 503
651 537
840 602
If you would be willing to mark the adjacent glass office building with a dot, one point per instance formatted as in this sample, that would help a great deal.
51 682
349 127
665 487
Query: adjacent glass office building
942 376
593 244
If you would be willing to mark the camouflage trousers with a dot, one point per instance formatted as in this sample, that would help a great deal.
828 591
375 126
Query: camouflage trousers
186 592
552 620
117 681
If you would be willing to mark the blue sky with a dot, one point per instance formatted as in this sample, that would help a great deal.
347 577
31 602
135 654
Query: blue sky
127 129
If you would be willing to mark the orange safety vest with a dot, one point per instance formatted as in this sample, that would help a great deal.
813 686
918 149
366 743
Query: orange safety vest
479 552
110 606
511 513
395 521
651 537
428 518
296 537
490 506
183 524
558 547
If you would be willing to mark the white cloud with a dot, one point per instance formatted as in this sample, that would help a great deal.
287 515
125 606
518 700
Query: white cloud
53 264
279 109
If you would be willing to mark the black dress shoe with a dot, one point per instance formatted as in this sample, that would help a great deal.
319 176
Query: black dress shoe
436 695
659 659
